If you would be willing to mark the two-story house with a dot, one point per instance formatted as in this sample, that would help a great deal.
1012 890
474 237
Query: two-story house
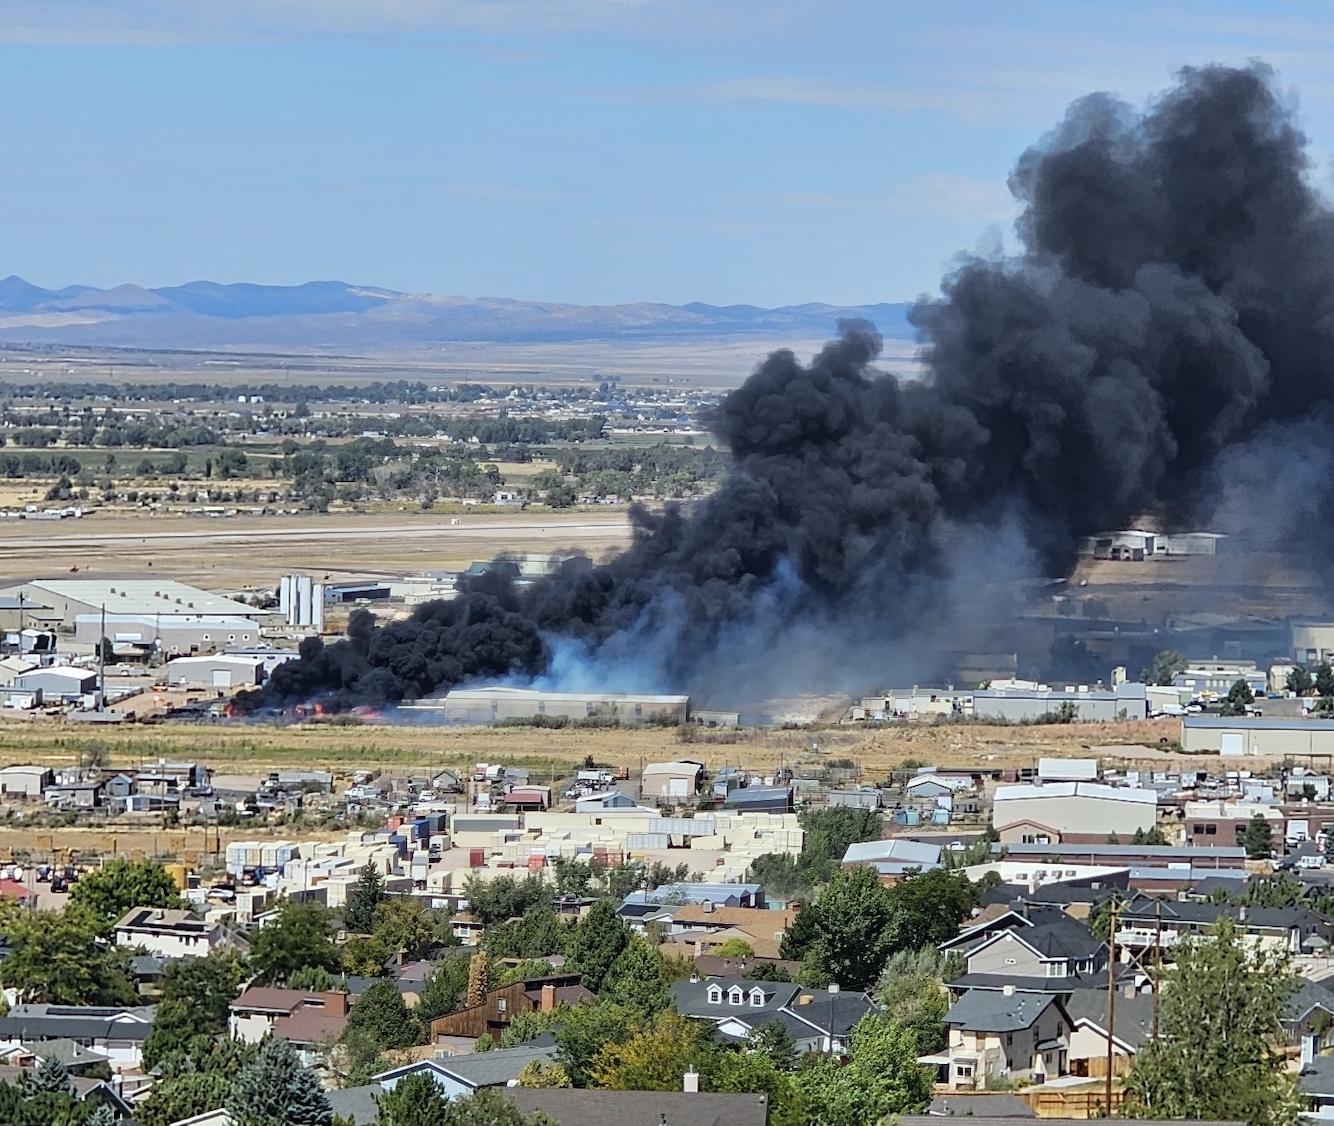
819 1021
168 933
1004 1034
261 1011
499 1007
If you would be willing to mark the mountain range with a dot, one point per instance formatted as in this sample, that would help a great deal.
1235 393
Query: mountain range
337 315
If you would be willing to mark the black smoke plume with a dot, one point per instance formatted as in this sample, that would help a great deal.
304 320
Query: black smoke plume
1171 319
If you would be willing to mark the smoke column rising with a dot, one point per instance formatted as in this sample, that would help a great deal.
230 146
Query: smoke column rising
1170 325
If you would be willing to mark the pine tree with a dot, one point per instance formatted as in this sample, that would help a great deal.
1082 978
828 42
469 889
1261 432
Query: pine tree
638 980
597 942
50 1078
276 1090
102 1116
363 898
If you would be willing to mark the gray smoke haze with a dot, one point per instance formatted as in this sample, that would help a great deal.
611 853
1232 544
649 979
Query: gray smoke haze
1167 327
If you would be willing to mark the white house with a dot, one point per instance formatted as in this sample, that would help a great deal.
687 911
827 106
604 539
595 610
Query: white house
117 1033
167 933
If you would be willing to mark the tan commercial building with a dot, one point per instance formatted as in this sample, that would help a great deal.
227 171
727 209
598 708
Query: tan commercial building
1072 812
1240 736
671 779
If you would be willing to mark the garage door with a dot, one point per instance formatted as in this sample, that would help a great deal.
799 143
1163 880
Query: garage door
222 678
1231 743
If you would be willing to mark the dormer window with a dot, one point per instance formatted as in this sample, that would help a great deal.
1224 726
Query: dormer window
1056 969
715 995
757 998
734 995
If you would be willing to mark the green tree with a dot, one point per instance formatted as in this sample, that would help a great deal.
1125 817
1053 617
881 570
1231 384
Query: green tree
311 979
363 897
855 927
1153 836
912 989
1165 666
297 938
120 885
638 980
383 1015
277 1090
494 901
882 1077
194 1005
1258 838
1220 1050
1299 681
442 990
50 1077
584 1031
598 940
1239 698
802 934
61 958
654 1057
403 926
756 1073
775 1040
183 1096
1324 679
929 907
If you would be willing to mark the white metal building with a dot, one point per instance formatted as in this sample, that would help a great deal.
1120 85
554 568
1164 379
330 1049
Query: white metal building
58 682
166 633
216 672
491 705
1073 811
68 598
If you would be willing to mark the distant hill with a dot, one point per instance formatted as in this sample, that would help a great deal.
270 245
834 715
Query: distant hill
334 314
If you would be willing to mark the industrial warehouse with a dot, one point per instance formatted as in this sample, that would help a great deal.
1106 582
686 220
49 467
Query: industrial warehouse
501 704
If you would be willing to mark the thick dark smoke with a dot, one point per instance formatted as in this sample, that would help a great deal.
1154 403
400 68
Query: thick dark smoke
1171 320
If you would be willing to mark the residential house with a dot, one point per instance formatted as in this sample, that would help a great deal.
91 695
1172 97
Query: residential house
1147 922
313 1030
706 927
819 1020
499 1006
74 1056
1309 1012
1008 1034
116 1033
720 895
1132 1018
462 1075
1316 1083
168 933
1037 948
256 1012
85 1089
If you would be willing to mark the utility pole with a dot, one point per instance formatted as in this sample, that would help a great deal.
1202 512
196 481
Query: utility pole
1157 959
102 662
1111 1002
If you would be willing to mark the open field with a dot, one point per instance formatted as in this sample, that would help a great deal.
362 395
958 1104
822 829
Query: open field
226 553
702 362
237 747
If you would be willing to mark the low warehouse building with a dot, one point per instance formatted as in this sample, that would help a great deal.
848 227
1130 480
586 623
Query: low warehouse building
1072 812
1023 705
1234 736
671 779
215 672
493 705
69 598
57 682
166 633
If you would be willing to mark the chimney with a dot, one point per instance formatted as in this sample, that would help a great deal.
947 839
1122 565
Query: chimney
694 977
833 987
1008 990
547 1003
690 1081
335 1003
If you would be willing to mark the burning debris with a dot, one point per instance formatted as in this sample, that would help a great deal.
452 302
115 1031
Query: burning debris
1172 315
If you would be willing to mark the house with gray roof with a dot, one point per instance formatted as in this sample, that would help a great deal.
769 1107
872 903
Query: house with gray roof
1010 1034
116 1033
1132 1028
819 1020
461 1075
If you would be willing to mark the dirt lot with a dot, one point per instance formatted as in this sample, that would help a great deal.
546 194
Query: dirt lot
251 748
230 553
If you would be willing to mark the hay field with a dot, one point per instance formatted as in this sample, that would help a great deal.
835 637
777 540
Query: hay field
249 748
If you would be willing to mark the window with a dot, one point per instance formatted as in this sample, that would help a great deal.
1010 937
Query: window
715 995
734 995
963 1070
757 998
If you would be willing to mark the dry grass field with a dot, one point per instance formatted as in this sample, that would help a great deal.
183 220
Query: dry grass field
253 551
248 748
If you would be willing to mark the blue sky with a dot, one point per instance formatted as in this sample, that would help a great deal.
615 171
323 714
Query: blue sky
588 150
